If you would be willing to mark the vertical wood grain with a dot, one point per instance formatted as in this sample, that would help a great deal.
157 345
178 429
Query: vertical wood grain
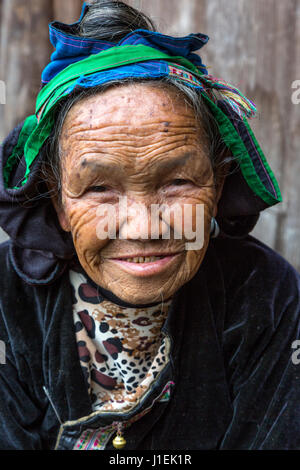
24 51
67 11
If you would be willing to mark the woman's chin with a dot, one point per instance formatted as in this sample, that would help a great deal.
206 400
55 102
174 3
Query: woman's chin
136 285
141 292
136 298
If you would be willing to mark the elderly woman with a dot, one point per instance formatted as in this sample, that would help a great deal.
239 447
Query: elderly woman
136 310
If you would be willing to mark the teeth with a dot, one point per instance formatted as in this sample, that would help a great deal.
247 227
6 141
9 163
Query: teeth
142 259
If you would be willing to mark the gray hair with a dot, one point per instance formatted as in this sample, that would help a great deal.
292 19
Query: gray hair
111 20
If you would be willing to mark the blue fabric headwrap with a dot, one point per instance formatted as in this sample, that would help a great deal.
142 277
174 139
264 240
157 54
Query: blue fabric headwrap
70 49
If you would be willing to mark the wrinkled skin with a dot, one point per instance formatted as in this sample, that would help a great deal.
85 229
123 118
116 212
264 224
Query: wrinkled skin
142 142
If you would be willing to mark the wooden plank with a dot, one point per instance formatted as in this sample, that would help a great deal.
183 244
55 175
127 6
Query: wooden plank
173 17
67 11
24 53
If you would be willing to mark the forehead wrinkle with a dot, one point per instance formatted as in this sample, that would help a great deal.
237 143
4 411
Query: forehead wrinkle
124 130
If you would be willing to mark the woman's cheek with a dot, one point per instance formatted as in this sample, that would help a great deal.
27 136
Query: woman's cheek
89 226
191 215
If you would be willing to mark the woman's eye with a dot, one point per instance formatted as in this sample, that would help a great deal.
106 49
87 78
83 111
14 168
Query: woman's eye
98 189
180 182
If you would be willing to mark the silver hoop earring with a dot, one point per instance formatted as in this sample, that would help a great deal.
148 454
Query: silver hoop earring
214 228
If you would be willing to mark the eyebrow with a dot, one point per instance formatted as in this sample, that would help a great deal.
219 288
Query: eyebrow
167 164
175 162
112 167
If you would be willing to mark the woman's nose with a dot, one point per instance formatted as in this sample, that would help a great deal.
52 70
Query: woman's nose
143 222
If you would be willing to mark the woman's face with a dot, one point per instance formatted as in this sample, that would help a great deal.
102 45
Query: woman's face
132 147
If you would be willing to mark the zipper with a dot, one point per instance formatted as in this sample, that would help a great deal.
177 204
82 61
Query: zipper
52 404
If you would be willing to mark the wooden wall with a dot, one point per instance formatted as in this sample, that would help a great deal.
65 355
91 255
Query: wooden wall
254 44
25 50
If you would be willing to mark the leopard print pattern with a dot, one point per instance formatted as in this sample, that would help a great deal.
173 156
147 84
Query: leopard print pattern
121 349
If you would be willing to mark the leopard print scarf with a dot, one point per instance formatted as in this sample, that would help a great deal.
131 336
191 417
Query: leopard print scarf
121 349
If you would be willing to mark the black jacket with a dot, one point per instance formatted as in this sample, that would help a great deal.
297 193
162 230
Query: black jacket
231 330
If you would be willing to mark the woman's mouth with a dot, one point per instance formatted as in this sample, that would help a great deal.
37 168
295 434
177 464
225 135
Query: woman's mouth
143 259
146 265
